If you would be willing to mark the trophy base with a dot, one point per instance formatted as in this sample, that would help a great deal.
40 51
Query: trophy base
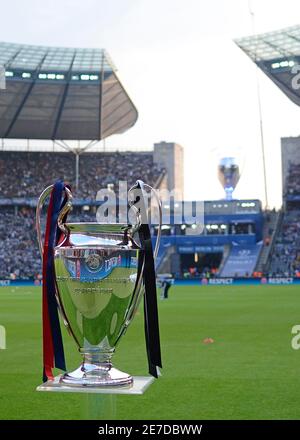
103 375
139 387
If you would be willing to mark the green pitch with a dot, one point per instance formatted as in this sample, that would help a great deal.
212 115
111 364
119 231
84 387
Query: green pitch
250 370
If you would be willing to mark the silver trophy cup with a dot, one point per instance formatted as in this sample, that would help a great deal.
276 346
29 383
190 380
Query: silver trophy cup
99 272
229 175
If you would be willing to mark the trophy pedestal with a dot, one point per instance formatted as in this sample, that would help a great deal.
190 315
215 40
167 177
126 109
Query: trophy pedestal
138 386
99 403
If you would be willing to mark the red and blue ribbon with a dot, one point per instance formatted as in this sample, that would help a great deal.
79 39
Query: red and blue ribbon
53 351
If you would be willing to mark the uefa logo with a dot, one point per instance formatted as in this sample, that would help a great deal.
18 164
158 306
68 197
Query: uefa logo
94 263
244 252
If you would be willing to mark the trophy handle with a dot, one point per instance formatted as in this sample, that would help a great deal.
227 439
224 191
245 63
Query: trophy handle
143 186
40 204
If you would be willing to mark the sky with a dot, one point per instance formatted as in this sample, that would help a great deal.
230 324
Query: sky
189 81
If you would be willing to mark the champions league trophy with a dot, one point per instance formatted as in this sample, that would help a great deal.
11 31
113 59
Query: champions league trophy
229 175
95 274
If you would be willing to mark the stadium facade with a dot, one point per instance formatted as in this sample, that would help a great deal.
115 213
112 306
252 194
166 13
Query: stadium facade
228 244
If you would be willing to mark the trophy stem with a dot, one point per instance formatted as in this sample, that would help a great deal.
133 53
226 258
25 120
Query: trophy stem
96 357
96 370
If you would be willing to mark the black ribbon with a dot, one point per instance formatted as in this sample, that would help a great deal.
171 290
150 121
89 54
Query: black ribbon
149 280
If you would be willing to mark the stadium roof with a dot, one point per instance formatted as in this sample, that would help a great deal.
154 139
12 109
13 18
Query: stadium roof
278 55
61 93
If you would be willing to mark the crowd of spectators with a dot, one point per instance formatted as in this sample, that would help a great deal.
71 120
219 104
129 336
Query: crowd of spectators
25 174
285 259
292 183
19 254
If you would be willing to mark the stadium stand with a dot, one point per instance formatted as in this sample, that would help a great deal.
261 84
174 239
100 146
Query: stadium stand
19 256
237 240
271 224
285 252
25 174
292 187
285 260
